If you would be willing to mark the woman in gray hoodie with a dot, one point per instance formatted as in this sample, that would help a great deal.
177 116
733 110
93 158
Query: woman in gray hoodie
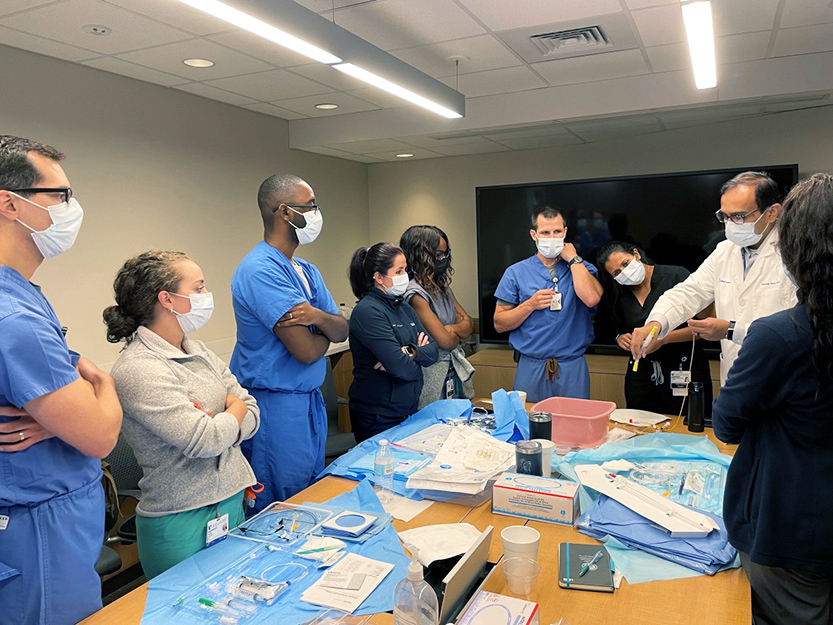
185 413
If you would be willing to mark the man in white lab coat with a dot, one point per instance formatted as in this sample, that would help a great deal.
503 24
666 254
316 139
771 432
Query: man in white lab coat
744 276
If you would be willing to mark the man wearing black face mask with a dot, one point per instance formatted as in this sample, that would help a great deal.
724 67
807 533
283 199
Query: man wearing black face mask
59 413
286 319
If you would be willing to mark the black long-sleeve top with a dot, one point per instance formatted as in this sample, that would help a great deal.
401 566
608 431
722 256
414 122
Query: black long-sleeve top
380 325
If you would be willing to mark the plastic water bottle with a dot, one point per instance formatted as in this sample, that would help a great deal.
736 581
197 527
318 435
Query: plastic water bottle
414 601
383 470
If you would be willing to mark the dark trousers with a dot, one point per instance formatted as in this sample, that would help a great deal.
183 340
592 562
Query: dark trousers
788 596
366 425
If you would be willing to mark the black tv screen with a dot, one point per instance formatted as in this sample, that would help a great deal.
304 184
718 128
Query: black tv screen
670 216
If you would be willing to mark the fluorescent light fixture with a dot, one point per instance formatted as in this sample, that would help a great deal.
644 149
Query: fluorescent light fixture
699 29
198 63
326 106
404 155
261 28
386 85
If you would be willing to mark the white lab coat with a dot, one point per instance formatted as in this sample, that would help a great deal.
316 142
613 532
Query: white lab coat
765 291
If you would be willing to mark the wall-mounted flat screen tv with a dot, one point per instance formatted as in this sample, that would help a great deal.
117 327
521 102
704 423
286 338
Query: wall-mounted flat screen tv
670 216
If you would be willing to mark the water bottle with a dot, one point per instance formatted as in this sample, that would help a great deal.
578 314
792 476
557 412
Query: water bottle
383 470
695 407
414 601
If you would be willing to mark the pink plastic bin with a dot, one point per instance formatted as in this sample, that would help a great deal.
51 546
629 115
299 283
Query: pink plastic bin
577 422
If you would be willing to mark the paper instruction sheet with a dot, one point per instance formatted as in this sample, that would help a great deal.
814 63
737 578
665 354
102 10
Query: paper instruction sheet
352 567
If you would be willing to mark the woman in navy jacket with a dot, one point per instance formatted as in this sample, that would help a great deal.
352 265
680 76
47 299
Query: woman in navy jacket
388 343
777 404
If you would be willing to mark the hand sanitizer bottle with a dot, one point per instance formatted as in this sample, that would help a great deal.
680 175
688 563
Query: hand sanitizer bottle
414 601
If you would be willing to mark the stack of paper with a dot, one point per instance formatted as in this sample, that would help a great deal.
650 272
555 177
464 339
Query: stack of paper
348 583
465 463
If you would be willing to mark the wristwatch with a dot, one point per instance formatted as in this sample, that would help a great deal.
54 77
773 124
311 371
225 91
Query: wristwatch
730 331
576 259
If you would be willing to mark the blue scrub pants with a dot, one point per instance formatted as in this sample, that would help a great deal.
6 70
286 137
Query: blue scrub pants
47 559
531 376
287 453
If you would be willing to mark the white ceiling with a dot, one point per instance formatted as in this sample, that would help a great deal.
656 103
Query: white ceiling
773 56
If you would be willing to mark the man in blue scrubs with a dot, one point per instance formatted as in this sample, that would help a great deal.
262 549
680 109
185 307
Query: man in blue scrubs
59 413
545 303
286 320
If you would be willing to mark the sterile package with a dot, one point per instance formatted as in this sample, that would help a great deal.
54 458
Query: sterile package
489 608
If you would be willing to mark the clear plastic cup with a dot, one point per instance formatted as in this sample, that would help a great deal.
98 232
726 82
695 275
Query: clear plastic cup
520 574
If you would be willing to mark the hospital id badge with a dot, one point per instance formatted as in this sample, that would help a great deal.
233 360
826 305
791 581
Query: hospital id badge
679 383
555 304
216 530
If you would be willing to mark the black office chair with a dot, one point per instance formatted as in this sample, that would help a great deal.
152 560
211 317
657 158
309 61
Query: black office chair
126 473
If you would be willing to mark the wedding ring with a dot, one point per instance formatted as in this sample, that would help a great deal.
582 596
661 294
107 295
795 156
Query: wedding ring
290 315
22 437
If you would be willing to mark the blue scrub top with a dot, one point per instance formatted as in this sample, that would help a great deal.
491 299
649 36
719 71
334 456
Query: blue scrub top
564 333
34 361
264 287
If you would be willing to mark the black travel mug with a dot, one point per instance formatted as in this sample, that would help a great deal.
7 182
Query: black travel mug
696 422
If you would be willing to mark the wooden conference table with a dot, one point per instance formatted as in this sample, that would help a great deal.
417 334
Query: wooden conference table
722 599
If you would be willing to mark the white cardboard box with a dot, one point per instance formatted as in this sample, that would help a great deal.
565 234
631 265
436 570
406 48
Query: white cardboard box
488 608
533 497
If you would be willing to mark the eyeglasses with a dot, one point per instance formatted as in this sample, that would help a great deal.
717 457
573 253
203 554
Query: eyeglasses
443 255
311 207
65 192
737 218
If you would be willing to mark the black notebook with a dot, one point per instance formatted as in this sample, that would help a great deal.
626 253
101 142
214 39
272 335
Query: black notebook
573 556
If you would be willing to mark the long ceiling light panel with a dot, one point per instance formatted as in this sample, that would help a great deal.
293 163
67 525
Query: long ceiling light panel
699 30
295 27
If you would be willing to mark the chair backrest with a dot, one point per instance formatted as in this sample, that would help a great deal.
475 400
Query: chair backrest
124 466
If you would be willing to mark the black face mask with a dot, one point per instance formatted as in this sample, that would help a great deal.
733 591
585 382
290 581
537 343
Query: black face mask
441 266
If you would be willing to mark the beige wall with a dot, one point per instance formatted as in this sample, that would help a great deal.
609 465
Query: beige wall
441 191
159 168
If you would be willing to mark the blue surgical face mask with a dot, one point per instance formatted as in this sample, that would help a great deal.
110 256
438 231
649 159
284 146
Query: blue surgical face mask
202 307
400 285
66 223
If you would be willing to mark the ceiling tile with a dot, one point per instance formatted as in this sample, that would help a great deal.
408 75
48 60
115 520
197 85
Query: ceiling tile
509 80
593 67
117 66
323 149
380 98
269 86
735 17
708 115
507 14
660 25
63 22
613 123
394 24
373 145
306 105
359 158
482 147
260 48
539 130
13 6
169 59
326 6
215 94
806 13
437 143
328 76
176 14
780 107
618 133
418 153
644 4
669 58
803 40
484 53
742 48
531 143
274 111
25 41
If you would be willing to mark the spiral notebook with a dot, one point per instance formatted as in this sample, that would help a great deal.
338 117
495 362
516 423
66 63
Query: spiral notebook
573 556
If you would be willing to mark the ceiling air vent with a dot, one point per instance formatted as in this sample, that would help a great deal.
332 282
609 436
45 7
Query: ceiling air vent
588 38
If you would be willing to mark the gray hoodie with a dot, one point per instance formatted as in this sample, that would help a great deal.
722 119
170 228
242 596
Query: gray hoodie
174 420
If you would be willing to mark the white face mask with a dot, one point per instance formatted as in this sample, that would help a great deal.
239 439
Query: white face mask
314 222
400 285
631 275
66 222
550 248
743 235
202 306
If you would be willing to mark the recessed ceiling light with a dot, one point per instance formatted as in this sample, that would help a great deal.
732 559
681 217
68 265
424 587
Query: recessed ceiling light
198 63
404 155
326 106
